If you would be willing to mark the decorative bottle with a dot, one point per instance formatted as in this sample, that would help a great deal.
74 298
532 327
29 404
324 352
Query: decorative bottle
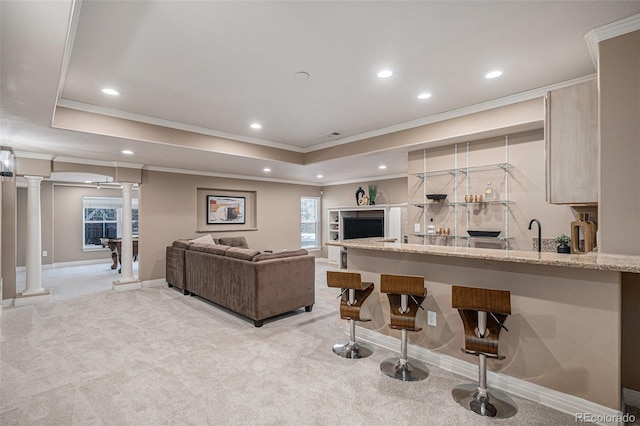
431 228
488 193
359 195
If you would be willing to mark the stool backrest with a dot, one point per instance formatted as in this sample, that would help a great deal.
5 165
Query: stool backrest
402 284
481 299
344 280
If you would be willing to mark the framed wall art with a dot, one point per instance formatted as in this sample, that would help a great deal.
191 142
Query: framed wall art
222 209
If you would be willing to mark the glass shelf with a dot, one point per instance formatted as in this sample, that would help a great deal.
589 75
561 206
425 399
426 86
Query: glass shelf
464 203
465 170
464 237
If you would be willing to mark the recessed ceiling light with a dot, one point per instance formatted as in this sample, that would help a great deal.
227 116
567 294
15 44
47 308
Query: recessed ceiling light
384 74
256 126
127 152
382 167
493 74
266 170
112 92
319 176
424 95
301 75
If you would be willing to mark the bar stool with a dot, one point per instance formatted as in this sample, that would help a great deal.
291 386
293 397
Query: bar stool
354 293
483 313
406 294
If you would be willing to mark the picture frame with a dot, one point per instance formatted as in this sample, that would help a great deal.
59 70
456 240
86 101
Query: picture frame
224 209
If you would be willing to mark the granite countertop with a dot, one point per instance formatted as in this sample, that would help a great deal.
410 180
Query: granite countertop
593 260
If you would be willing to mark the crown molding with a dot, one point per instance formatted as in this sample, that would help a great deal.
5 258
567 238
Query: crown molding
605 32
74 160
228 175
33 155
481 107
80 106
265 179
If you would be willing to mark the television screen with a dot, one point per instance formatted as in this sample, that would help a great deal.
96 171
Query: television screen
362 227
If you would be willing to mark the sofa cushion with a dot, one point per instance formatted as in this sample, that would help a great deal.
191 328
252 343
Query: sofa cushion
199 246
219 249
234 241
291 253
207 239
184 244
241 253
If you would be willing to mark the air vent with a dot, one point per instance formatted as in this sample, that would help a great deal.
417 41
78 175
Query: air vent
333 134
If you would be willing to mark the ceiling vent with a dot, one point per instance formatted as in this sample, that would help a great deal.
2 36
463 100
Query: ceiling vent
333 134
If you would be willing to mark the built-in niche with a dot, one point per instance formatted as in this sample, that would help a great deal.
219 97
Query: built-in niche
239 202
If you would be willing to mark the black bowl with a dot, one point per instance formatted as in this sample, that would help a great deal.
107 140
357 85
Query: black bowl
436 197
483 233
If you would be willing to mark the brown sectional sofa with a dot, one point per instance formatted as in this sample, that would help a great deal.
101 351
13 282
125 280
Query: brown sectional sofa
253 284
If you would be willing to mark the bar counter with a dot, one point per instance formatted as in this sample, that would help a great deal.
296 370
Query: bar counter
593 260
565 331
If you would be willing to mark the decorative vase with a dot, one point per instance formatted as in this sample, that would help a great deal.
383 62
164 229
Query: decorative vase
359 195
585 228
563 248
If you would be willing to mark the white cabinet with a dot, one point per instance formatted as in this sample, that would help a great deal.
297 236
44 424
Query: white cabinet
394 216
571 135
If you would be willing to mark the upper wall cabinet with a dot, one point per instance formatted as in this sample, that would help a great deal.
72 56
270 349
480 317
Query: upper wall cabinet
571 134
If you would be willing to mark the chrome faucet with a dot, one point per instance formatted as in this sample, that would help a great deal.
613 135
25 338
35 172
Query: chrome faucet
539 233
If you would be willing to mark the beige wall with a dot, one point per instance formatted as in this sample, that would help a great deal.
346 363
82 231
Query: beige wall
525 183
67 223
8 240
619 101
564 330
168 210
61 215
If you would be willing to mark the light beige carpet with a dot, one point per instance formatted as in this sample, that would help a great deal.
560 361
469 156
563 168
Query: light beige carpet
156 357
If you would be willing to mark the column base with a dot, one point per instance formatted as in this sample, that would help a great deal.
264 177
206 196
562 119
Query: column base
126 284
34 298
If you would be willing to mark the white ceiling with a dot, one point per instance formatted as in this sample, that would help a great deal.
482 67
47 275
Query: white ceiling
217 66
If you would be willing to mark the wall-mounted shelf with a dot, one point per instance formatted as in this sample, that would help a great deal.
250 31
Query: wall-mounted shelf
466 204
464 237
453 210
466 170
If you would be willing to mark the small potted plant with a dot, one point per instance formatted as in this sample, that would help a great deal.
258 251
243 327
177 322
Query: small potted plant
373 193
563 244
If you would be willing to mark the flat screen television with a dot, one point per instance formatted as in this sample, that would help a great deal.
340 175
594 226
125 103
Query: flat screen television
362 227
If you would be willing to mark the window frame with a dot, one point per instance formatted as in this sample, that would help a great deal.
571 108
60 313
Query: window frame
317 221
94 202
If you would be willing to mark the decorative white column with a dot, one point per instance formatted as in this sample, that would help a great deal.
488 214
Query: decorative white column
127 280
34 293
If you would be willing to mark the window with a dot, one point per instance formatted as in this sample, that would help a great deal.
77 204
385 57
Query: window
310 222
102 218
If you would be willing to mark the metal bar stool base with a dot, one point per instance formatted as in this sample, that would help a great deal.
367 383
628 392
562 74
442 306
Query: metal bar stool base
496 404
352 350
407 372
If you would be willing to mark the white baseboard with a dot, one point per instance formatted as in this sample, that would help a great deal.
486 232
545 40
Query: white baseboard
70 263
631 397
126 285
154 283
557 400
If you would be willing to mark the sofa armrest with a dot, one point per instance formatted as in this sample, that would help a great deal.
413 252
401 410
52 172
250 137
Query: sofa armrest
284 284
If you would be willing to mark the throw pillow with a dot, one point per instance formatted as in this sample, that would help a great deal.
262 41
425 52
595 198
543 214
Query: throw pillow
205 239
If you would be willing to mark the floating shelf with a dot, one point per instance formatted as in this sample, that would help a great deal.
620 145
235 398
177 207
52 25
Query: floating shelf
490 167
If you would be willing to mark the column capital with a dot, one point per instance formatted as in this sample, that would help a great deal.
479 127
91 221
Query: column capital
34 180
